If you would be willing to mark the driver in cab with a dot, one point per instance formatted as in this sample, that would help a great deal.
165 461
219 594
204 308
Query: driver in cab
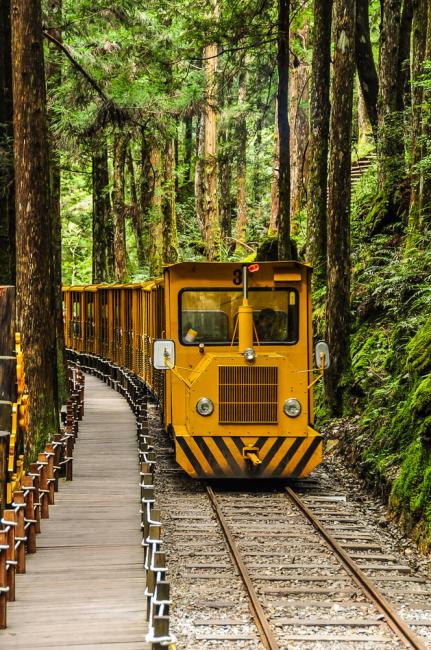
266 326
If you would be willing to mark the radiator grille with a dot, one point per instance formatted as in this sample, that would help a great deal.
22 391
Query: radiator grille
248 395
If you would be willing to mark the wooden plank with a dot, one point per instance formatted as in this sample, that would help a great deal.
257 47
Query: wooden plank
84 588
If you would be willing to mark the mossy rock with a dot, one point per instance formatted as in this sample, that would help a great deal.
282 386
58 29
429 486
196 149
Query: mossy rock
419 350
268 250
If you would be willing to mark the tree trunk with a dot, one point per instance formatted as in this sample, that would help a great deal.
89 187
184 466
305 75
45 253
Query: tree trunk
100 185
419 29
7 190
338 300
425 181
210 204
299 129
55 8
34 281
403 83
225 181
119 208
241 221
155 249
284 247
135 213
188 149
200 172
364 124
365 65
391 147
275 202
169 225
319 134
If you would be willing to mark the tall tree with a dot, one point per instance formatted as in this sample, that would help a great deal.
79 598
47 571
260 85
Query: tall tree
299 125
391 144
338 299
134 210
101 208
241 166
34 280
119 208
284 247
155 247
7 198
365 64
319 134
419 47
169 226
53 73
210 204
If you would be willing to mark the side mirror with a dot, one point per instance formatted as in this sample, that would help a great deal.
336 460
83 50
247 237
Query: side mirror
321 350
163 354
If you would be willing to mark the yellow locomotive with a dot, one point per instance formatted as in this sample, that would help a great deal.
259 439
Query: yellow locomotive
227 350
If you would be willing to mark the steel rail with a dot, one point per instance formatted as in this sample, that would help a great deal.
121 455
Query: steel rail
394 621
257 611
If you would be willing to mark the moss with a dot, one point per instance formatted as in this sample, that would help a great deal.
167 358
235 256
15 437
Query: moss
268 250
411 492
419 350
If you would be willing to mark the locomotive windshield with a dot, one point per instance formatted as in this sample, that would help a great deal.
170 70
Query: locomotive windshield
210 315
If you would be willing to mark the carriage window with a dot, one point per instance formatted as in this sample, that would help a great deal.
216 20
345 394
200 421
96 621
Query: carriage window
210 316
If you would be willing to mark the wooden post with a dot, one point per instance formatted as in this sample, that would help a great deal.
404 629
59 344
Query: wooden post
7 381
49 453
43 486
35 474
10 518
18 498
30 515
3 579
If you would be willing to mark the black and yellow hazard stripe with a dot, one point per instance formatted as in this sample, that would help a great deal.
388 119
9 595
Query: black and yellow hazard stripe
222 457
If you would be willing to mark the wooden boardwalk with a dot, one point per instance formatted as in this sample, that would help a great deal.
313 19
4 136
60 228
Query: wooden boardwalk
84 588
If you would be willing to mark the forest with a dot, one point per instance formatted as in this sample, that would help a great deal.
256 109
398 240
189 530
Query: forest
140 133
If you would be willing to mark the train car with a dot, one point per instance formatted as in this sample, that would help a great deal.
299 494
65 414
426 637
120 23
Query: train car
227 349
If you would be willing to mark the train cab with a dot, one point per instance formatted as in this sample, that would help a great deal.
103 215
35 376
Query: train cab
237 354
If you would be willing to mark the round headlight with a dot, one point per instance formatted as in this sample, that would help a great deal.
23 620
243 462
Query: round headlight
292 407
204 406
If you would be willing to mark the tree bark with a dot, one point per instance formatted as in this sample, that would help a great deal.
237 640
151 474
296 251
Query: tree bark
319 135
55 8
100 185
364 125
34 281
365 64
119 208
284 247
403 84
155 249
225 181
241 173
419 29
135 212
188 149
200 172
338 299
275 200
299 128
210 204
169 225
391 147
7 190
425 181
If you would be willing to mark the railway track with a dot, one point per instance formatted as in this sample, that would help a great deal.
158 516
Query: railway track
281 569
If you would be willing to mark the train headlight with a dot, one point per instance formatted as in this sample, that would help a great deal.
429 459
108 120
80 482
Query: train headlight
205 406
292 407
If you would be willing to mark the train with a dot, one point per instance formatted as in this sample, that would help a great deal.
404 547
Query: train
227 350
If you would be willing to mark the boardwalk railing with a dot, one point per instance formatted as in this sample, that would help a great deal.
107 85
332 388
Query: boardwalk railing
21 521
157 592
